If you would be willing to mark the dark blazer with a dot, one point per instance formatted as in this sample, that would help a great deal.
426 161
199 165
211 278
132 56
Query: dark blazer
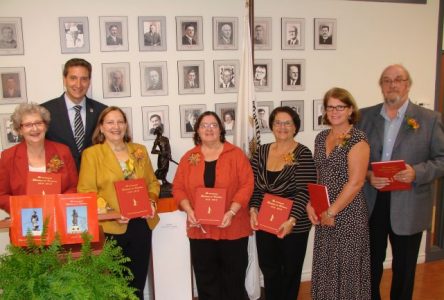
423 149
59 129
187 84
186 41
14 169
110 41
151 39
230 85
327 41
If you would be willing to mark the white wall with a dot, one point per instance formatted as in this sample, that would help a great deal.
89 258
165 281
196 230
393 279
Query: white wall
371 35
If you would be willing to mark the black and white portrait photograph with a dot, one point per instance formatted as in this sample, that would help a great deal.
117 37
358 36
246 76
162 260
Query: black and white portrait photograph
262 34
298 107
325 34
293 74
116 80
153 78
191 76
188 118
152 34
13 85
293 34
74 34
226 76
227 113
153 117
262 75
318 115
11 36
113 33
225 33
189 33
9 137
263 110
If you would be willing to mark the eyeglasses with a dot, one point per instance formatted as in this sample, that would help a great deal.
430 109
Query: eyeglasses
337 107
396 81
30 125
278 123
208 125
112 123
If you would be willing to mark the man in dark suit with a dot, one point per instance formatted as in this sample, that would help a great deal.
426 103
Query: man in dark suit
259 33
400 130
154 80
227 79
12 87
191 82
76 79
112 39
225 34
188 37
116 85
324 35
152 37
293 75
292 36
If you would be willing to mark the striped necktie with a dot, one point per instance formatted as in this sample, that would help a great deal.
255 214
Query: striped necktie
79 131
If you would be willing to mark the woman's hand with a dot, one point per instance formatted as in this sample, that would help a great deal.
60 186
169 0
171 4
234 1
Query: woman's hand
191 217
253 219
286 227
153 210
123 220
312 214
326 220
226 220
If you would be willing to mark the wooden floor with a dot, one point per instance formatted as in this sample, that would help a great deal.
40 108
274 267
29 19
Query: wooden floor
429 283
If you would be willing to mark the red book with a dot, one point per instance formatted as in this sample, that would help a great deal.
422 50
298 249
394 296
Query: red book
40 183
318 198
75 214
274 211
209 205
388 169
133 198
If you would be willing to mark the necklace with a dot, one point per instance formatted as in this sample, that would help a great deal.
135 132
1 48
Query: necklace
119 148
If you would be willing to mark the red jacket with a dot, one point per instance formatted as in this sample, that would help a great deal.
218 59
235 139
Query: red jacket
233 172
14 170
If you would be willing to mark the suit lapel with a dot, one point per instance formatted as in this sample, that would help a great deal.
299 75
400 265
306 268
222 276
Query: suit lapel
21 165
404 130
110 160
90 113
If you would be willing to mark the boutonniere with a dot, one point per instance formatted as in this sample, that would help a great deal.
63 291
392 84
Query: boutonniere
128 172
411 123
194 159
343 140
139 155
289 159
54 164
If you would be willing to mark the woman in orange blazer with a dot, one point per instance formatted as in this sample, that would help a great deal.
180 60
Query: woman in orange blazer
33 154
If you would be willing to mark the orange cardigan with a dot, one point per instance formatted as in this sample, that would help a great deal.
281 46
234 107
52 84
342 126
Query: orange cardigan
234 173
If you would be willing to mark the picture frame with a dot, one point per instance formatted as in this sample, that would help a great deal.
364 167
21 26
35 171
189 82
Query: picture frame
74 34
153 78
226 76
189 33
152 117
262 29
298 107
152 33
188 117
293 74
292 34
113 34
11 36
318 115
129 117
13 85
264 109
9 137
227 114
225 33
116 80
189 83
262 79
325 34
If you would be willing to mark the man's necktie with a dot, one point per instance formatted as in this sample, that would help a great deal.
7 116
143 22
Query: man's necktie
79 131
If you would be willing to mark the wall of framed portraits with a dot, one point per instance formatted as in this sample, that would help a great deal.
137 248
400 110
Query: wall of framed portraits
165 62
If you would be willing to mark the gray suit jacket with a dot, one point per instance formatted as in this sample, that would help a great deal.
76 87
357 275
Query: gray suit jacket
423 149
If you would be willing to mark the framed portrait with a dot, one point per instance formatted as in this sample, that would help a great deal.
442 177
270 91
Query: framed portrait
292 34
226 76
293 74
318 115
129 117
152 34
11 36
263 110
262 75
113 34
9 136
13 85
227 113
153 78
262 34
298 107
116 80
189 33
225 33
188 117
325 34
153 117
191 77
74 34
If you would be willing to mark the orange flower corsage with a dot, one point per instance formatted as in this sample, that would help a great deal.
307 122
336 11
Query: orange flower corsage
54 164
412 123
194 159
289 159
343 140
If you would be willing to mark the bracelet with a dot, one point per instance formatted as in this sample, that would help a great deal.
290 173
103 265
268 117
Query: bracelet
232 212
329 214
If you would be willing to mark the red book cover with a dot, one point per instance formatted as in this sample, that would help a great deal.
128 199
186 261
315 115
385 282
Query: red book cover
133 198
75 214
388 169
274 211
318 198
40 183
209 205
28 214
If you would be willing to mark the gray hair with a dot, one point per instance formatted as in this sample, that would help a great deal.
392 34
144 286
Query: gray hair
28 108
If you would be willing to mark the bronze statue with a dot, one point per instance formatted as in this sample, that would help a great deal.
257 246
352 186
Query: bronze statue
162 148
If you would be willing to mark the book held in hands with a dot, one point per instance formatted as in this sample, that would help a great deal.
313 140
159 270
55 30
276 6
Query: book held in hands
209 205
134 201
318 198
41 183
273 212
389 169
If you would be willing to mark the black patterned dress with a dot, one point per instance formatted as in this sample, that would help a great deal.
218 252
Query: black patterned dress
341 254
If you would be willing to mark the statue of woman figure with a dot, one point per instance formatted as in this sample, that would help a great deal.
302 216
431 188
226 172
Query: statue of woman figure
162 148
